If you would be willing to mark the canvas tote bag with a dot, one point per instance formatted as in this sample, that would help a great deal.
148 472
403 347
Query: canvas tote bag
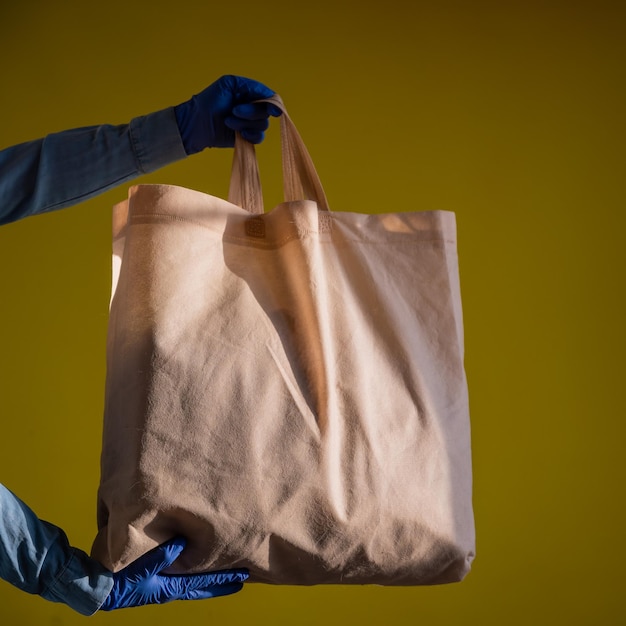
286 389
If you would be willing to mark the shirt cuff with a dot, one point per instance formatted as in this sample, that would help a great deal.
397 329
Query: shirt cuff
156 140
83 584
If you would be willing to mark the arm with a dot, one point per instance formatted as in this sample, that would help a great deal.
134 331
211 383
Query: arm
36 557
68 167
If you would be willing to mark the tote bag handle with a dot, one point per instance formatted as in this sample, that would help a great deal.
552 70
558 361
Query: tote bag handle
300 178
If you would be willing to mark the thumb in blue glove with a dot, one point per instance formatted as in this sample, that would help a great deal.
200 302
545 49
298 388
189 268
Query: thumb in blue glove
210 118
142 583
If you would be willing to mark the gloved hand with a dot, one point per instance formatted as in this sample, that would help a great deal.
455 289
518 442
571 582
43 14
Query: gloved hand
210 118
142 583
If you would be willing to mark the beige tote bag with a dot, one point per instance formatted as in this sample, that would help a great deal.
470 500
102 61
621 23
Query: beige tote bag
286 389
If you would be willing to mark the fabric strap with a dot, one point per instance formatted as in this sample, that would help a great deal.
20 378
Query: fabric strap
300 178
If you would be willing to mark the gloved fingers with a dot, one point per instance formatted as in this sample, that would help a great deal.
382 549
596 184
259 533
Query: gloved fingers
253 136
256 110
208 579
199 586
214 592
202 119
235 123
245 89
161 557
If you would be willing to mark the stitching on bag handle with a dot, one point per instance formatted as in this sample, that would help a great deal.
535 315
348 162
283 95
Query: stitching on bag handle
255 227
325 221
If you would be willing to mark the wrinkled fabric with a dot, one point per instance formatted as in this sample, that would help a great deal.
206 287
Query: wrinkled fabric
287 391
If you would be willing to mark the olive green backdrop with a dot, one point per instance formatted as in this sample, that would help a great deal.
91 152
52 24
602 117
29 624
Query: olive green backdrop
511 114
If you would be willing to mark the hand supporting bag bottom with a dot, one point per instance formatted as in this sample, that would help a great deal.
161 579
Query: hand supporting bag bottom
286 389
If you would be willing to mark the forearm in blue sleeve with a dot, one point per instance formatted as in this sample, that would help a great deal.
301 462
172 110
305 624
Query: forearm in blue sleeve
66 168
36 557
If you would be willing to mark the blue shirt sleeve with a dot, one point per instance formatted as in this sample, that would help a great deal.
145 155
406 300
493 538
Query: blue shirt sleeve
36 557
68 167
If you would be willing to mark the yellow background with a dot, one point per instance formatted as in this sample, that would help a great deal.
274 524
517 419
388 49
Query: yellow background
511 114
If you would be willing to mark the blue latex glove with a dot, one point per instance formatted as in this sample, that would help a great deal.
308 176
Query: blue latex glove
210 118
142 583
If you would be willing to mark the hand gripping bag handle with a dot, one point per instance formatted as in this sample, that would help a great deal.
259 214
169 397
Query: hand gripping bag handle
300 178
